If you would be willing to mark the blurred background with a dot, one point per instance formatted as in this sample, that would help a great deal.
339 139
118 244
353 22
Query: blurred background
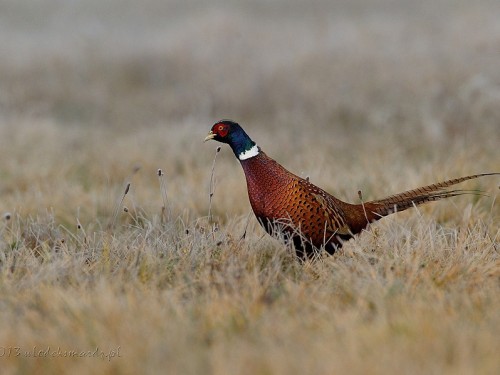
321 85
353 63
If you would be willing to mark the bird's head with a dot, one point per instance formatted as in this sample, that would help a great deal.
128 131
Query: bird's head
224 131
230 132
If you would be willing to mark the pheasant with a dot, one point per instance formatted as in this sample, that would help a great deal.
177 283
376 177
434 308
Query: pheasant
304 213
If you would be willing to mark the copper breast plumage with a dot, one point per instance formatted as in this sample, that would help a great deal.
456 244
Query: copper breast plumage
280 197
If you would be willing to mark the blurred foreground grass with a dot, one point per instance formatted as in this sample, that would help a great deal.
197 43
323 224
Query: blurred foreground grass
379 97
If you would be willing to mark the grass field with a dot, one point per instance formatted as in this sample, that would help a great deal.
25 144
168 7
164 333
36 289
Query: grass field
358 95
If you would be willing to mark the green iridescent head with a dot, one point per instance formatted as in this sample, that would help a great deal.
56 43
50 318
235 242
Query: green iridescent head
230 132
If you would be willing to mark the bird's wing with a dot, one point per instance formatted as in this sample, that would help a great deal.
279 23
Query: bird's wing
335 220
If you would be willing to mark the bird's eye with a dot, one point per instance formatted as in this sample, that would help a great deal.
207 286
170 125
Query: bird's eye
221 130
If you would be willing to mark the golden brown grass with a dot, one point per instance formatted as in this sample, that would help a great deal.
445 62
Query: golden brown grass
379 98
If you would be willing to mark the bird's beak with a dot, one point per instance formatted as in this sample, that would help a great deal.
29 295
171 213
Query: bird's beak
210 136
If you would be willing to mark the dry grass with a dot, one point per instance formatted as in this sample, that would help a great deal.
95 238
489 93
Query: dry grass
378 97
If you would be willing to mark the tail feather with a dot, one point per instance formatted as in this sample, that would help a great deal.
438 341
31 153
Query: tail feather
408 199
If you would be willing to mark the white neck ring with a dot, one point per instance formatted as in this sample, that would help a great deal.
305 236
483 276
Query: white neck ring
254 151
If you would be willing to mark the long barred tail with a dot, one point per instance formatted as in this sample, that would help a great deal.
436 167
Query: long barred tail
408 199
